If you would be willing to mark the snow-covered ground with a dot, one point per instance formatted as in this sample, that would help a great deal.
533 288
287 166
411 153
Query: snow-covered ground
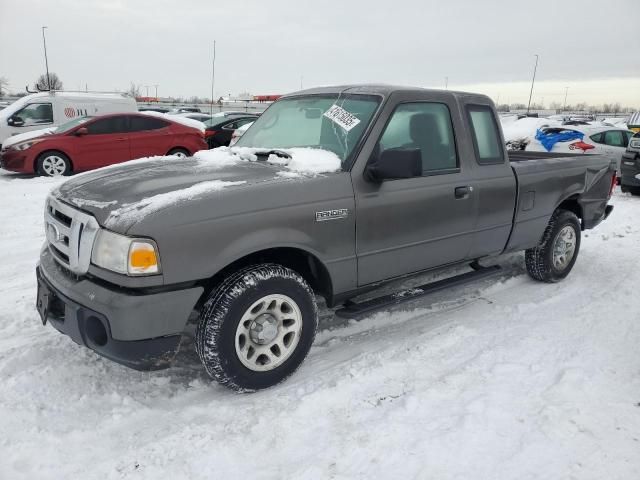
507 379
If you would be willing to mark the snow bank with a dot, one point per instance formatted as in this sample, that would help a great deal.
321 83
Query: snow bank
21 137
146 206
503 379
189 122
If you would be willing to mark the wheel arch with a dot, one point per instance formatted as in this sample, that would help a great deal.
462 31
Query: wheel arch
572 204
307 264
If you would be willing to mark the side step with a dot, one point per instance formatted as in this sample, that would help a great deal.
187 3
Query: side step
354 310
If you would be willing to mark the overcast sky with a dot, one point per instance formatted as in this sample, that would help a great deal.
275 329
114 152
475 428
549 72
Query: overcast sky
590 46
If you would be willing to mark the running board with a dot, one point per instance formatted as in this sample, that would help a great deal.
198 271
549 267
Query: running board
354 310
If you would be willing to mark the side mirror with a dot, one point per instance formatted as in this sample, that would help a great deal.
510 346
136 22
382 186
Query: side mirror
395 163
15 121
81 132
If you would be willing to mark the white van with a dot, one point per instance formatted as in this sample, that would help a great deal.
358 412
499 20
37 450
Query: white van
50 109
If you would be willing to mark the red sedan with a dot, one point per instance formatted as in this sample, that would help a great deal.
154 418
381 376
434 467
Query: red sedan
94 142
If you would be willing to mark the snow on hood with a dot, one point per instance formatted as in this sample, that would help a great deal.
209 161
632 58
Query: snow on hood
21 137
187 122
303 161
134 211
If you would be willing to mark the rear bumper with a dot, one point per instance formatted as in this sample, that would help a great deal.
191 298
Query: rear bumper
138 331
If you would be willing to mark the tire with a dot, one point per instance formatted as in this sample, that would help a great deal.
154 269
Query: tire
179 152
635 191
53 164
213 143
244 307
562 232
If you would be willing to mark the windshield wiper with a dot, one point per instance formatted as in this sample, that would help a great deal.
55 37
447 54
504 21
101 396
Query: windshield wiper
277 153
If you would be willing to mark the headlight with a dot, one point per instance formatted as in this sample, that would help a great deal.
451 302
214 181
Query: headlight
24 145
635 144
129 256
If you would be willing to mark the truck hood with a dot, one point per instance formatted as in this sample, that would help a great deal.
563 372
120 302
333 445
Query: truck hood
122 195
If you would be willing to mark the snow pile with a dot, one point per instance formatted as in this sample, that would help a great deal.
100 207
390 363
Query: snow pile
188 122
308 161
303 161
503 379
146 206
525 128
21 137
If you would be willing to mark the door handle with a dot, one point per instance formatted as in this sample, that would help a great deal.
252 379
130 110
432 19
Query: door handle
121 139
463 192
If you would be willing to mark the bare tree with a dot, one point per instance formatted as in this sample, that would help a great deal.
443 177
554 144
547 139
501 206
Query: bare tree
134 90
53 81
4 83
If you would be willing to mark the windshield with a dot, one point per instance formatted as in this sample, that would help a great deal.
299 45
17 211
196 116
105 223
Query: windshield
65 127
304 122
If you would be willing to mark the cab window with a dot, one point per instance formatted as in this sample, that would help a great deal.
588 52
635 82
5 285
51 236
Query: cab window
427 128
486 137
33 114
108 125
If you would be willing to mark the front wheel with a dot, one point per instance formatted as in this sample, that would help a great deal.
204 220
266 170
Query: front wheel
553 258
257 327
53 164
178 152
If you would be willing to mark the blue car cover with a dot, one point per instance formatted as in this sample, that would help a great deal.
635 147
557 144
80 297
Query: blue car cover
549 138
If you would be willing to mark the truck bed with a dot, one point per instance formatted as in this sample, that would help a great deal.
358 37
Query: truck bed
544 180
522 155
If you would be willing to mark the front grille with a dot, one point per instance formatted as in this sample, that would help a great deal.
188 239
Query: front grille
70 235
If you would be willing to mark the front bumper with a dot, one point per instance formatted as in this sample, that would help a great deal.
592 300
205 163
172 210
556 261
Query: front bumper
141 331
16 161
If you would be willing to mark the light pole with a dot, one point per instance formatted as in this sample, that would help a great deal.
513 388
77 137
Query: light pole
532 82
566 91
446 83
46 61
156 91
147 90
213 74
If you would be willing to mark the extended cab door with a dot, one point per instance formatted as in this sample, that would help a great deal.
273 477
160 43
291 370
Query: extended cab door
495 182
106 143
412 224
149 136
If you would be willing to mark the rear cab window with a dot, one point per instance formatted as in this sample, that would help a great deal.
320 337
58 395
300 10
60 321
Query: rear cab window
486 135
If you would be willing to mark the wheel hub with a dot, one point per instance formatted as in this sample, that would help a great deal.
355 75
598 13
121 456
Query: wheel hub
564 247
264 329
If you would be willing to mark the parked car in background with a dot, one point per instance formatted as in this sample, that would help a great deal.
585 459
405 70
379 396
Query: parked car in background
153 109
608 141
201 117
220 129
630 167
93 142
238 132
50 109
184 110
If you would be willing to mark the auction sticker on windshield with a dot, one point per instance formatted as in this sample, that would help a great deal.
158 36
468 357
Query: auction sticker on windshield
339 115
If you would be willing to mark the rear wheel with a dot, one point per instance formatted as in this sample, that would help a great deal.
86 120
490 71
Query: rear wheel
557 252
53 164
635 191
178 152
257 327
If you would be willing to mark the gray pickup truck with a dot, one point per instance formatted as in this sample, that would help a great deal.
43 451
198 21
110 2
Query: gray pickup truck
332 192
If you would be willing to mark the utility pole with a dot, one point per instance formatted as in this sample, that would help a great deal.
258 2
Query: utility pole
46 61
566 91
532 82
213 74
